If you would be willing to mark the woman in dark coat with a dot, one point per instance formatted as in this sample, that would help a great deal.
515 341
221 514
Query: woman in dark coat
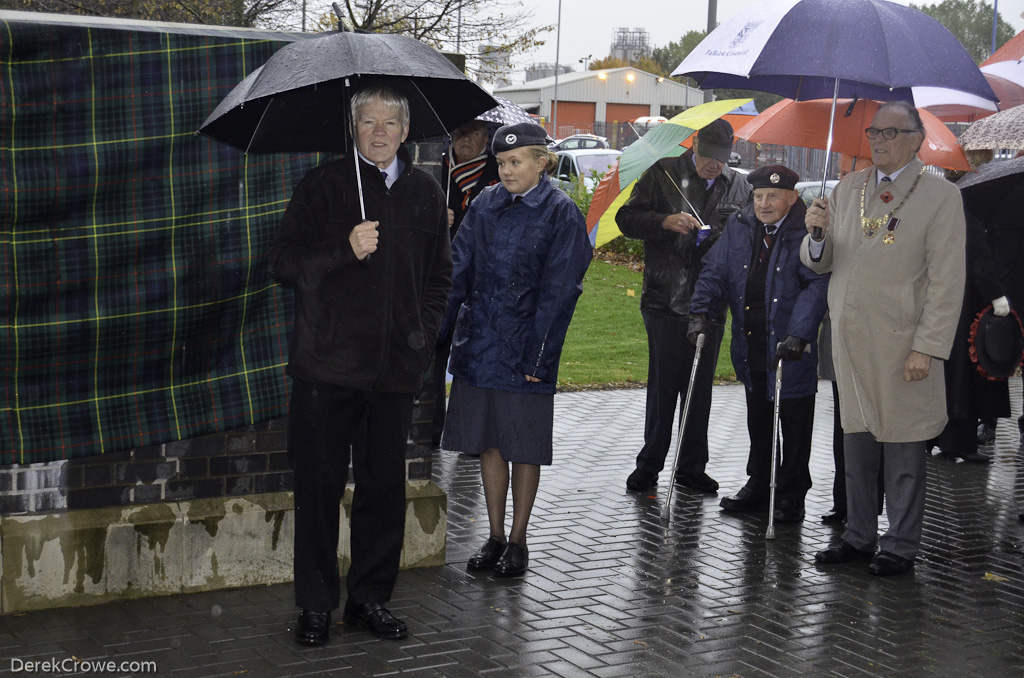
519 257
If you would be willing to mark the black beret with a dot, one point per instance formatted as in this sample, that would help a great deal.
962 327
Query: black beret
517 136
773 176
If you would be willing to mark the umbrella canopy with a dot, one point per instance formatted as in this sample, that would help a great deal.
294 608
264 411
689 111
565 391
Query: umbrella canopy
799 48
738 117
805 124
1004 70
613 189
950 105
505 113
298 100
993 174
663 140
1002 130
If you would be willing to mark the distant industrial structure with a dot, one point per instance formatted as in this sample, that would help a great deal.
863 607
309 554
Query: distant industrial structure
538 71
630 44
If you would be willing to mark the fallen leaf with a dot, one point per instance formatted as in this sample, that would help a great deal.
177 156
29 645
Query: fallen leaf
994 577
639 642
630 293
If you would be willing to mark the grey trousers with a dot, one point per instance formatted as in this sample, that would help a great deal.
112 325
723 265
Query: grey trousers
904 493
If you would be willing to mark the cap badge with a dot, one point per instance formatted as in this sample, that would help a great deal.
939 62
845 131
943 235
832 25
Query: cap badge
774 178
510 138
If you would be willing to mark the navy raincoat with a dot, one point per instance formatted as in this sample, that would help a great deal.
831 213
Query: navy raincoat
795 297
518 270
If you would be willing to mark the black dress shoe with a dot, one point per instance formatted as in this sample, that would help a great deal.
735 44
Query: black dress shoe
487 556
513 561
789 511
640 480
745 500
834 516
313 628
841 552
886 564
377 619
697 481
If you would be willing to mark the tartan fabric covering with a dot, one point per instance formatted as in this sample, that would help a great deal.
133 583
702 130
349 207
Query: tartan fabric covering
135 303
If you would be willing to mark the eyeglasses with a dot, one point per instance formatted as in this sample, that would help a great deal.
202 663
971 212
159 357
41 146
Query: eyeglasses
889 133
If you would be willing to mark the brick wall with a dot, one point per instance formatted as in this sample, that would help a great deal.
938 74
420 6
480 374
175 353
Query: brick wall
251 460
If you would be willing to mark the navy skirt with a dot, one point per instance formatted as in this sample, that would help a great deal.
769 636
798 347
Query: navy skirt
517 424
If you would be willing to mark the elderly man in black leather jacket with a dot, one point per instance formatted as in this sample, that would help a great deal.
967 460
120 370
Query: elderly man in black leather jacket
669 205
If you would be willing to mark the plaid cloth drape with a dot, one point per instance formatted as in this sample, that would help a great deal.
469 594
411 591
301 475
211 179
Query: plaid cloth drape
135 302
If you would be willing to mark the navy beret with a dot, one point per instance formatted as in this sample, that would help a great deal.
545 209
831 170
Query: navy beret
518 135
773 176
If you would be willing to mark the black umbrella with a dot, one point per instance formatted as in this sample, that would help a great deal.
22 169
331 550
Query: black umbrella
298 101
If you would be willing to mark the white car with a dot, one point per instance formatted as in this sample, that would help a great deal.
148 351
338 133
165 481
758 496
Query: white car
809 190
580 163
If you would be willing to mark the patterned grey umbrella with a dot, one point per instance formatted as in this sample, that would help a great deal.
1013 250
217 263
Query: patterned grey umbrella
1004 129
507 113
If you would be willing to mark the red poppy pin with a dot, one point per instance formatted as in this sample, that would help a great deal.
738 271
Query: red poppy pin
887 197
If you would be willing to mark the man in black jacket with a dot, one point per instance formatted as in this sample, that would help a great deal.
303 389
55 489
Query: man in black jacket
667 209
369 295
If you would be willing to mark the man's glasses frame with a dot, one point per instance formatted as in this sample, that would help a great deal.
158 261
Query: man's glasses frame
889 133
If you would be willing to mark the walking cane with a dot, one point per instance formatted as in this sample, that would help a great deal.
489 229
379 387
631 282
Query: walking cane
770 534
682 422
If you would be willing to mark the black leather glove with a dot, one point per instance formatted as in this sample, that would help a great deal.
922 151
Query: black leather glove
699 324
791 348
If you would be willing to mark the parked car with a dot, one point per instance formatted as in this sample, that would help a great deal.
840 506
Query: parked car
580 141
809 190
581 163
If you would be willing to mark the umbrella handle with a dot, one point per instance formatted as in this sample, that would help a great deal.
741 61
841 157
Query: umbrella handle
816 232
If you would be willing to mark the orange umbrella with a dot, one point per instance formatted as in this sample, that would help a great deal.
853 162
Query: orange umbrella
805 124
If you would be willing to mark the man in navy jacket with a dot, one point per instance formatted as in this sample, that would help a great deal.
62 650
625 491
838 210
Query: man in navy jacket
777 304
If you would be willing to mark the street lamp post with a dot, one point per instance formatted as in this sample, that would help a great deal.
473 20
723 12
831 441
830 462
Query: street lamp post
558 41
586 60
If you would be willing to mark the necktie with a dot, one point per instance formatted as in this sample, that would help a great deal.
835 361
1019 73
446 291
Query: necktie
769 235
886 179
384 176
517 199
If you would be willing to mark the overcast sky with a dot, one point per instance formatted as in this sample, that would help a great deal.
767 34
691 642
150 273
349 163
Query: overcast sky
588 25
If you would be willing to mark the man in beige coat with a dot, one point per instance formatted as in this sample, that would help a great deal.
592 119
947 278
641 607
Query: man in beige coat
893 239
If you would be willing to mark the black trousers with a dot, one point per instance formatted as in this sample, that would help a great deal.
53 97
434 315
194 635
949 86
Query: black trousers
323 420
796 416
668 375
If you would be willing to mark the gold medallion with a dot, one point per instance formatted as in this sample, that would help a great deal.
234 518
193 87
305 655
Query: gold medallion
889 238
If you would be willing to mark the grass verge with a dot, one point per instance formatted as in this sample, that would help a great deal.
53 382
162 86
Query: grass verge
606 346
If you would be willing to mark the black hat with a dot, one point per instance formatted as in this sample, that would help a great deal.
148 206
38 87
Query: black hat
518 135
714 140
773 176
996 344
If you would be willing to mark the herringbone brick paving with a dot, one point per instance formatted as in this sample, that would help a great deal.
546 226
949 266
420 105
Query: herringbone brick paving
616 590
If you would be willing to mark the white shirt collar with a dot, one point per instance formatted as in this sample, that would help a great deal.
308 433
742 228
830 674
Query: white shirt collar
392 170
892 177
